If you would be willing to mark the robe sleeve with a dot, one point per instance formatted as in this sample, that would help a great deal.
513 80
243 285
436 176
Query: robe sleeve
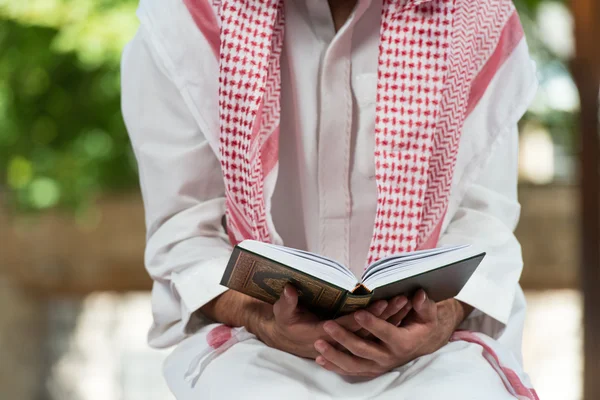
483 207
486 217
182 187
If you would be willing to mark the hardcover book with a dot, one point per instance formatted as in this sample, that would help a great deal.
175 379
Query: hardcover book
329 289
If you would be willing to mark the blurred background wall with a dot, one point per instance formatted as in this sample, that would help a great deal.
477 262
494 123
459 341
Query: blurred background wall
74 306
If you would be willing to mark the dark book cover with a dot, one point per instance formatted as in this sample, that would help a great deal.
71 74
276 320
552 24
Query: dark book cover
444 282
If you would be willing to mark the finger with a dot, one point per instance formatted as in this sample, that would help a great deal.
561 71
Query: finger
425 308
284 309
334 368
347 362
348 321
330 366
357 346
381 329
394 307
397 319
377 308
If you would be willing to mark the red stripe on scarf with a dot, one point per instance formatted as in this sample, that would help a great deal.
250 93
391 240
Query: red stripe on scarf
204 16
513 378
512 34
218 336
433 239
269 154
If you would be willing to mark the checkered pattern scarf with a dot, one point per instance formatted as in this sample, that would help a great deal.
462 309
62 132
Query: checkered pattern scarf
430 54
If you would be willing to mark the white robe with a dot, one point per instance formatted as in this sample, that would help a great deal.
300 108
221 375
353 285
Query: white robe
325 197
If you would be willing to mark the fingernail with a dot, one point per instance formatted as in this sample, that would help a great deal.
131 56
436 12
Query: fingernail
421 301
320 346
328 327
320 360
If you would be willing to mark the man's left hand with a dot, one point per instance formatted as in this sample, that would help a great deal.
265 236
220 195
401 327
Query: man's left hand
427 329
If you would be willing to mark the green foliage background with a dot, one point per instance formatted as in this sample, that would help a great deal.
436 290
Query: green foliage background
62 138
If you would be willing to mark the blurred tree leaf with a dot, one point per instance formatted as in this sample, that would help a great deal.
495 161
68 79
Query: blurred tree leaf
62 138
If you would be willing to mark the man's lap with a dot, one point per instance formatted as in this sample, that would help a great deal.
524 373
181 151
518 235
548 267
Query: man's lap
250 370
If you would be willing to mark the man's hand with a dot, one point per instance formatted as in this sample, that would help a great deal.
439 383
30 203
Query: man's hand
294 330
426 330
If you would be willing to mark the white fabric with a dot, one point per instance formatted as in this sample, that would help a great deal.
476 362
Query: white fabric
170 107
252 370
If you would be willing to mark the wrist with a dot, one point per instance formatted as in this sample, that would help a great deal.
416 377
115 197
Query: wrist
237 309
258 316
461 312
451 313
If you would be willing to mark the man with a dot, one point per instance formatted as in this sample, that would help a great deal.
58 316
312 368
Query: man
351 128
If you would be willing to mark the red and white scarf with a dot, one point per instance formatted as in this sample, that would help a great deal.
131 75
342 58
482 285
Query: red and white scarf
434 58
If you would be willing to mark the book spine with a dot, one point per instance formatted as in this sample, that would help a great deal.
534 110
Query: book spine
353 303
231 264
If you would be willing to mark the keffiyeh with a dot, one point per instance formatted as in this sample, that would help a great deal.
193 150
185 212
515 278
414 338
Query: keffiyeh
436 58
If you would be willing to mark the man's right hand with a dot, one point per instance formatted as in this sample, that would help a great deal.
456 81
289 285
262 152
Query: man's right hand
293 329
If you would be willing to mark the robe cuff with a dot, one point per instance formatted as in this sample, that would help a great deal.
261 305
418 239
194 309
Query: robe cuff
196 287
482 294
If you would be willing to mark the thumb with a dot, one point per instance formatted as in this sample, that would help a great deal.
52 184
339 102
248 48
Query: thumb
284 309
424 307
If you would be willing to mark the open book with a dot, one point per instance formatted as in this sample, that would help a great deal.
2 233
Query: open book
328 288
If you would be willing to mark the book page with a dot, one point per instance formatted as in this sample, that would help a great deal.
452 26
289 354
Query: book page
314 257
402 268
312 264
404 258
